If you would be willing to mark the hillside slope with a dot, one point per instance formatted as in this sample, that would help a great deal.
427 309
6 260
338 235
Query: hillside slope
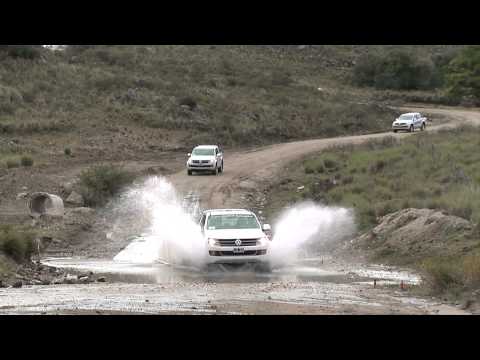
137 98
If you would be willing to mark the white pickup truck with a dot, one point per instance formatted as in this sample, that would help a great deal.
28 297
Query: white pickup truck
410 122
205 158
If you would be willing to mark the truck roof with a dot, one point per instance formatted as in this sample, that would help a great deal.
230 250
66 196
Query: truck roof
205 146
228 211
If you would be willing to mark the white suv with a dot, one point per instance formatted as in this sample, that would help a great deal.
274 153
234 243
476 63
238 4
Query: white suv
410 122
205 158
235 237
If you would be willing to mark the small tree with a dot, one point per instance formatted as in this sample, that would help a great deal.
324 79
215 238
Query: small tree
463 75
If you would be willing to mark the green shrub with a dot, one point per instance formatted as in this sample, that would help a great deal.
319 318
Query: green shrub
320 169
442 274
309 169
396 70
100 183
330 164
16 243
463 81
26 161
28 52
12 164
67 151
471 270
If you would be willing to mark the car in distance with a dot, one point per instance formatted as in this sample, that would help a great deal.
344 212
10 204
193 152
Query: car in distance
235 236
205 158
410 122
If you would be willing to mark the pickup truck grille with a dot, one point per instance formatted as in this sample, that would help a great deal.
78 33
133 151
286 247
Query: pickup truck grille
231 242
231 253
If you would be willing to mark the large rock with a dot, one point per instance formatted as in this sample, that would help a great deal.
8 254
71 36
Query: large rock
414 234
75 199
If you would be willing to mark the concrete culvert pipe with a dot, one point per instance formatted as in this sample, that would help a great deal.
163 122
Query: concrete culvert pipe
46 204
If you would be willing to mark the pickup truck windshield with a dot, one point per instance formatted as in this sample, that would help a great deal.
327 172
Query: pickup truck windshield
224 222
203 152
406 117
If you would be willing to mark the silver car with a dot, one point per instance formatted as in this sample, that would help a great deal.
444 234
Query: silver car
205 158
410 122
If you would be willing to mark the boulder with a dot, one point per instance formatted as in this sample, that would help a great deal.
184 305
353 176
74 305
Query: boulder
67 188
75 199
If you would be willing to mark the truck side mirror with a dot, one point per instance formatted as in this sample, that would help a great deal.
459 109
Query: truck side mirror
266 227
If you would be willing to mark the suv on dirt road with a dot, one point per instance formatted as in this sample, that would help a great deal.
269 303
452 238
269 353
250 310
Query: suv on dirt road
205 158
410 122
235 236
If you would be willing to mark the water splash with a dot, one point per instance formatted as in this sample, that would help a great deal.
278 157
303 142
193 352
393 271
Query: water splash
306 228
171 234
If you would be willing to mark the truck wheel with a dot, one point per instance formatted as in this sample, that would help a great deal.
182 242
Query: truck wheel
216 171
394 131
423 127
221 169
189 172
412 129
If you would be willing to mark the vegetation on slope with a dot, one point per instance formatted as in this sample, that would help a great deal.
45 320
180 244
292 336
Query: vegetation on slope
232 94
436 171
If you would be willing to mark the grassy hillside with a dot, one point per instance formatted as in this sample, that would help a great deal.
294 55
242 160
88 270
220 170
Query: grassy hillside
438 171
230 94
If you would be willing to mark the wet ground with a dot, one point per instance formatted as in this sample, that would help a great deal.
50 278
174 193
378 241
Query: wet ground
312 286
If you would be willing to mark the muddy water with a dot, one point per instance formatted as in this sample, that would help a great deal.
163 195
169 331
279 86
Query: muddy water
310 286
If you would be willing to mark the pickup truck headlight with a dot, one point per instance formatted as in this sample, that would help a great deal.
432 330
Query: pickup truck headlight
263 241
213 242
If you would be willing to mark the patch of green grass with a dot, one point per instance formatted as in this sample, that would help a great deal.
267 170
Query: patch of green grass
435 170
26 161
16 242
98 184
452 275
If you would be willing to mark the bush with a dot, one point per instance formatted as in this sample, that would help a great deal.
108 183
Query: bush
463 81
67 151
309 169
471 270
12 164
26 161
442 274
29 52
396 70
330 164
16 243
100 183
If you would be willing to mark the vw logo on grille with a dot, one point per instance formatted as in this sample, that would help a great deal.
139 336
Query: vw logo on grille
238 242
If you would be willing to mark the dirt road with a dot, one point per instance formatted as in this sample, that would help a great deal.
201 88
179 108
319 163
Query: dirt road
245 170
313 288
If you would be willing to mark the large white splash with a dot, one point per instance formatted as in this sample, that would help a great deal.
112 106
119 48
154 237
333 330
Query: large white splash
306 229
172 235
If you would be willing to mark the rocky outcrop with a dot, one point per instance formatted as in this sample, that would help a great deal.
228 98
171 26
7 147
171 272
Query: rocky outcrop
413 234
75 199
